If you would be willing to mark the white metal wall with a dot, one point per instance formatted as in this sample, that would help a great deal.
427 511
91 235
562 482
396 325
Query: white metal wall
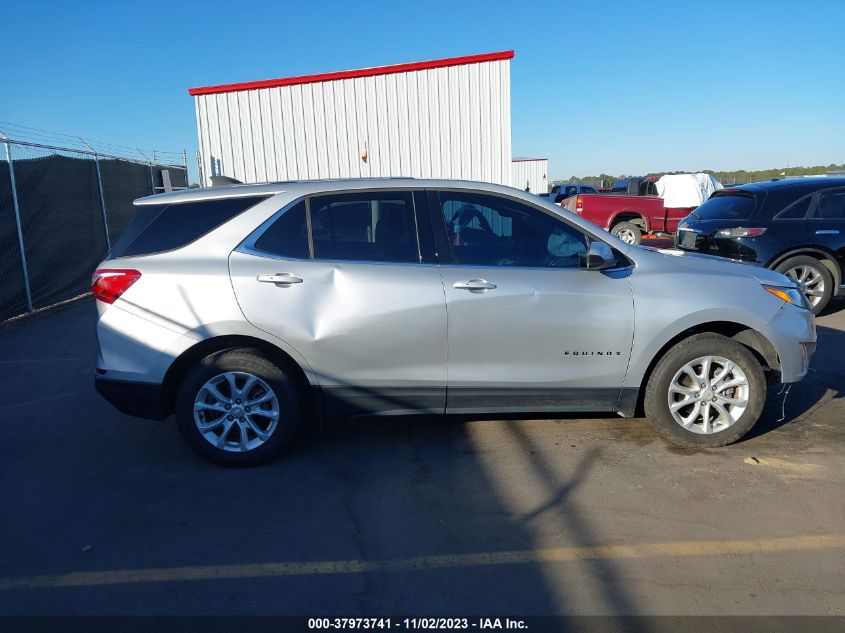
530 174
450 122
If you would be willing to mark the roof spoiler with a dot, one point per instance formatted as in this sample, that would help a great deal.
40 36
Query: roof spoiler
222 181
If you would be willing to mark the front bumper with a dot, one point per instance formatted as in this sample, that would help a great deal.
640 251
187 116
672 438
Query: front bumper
793 333
138 399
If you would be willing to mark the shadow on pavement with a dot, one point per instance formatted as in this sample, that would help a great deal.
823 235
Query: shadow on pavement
96 490
823 383
92 489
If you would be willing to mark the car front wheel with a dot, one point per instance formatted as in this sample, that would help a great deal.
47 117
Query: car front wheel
706 391
813 277
236 408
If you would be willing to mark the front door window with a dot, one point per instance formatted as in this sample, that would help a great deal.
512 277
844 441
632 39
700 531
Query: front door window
491 231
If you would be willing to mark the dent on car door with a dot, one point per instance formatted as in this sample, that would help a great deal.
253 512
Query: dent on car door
528 328
340 279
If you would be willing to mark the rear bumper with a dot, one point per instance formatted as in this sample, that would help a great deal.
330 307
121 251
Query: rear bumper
138 399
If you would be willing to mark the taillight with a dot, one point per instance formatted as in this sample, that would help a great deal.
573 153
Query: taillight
579 204
108 284
740 231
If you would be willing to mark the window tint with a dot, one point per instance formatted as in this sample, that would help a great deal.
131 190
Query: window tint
288 235
491 231
365 227
796 211
831 206
167 227
727 207
588 190
144 214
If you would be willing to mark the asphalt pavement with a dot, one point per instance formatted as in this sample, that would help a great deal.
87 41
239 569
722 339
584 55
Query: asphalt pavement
107 514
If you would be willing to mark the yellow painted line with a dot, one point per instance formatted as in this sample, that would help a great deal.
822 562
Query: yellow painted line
515 557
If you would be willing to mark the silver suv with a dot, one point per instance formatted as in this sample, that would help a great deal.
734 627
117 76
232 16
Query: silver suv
249 310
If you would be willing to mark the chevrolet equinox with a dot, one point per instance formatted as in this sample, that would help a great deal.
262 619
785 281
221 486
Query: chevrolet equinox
248 310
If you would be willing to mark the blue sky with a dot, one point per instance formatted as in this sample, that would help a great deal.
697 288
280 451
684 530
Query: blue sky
614 87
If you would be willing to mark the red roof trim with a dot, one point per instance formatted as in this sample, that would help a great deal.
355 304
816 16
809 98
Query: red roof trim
351 74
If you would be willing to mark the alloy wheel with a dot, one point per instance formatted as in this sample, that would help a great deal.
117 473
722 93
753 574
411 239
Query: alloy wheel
708 394
627 236
811 280
236 411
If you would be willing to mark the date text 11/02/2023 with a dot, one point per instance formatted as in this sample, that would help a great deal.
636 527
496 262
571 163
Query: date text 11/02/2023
417 623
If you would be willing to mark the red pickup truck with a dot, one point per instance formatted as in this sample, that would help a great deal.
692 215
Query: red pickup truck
645 205
627 217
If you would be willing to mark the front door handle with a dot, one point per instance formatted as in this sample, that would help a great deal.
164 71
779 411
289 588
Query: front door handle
282 279
827 232
474 284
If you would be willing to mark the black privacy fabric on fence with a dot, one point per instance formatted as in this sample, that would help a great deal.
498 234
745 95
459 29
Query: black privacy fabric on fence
12 290
61 213
178 178
62 225
123 182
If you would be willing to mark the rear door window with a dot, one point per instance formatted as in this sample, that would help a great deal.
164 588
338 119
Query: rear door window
368 227
159 228
831 205
288 235
727 207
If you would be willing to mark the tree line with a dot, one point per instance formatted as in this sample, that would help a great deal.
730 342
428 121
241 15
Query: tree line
725 177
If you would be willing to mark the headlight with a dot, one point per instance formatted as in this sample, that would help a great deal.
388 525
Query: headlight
789 294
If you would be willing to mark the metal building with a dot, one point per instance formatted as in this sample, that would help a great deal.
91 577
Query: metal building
530 174
447 118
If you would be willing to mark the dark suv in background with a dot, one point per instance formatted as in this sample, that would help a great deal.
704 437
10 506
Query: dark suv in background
562 192
794 226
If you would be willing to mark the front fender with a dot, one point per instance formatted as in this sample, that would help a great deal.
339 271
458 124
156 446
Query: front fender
667 303
649 342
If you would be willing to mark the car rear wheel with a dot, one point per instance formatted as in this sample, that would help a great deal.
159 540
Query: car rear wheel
813 277
236 408
706 391
627 232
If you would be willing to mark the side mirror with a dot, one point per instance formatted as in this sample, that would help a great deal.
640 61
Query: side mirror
599 257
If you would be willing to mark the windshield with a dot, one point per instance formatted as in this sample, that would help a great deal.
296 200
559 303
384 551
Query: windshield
727 207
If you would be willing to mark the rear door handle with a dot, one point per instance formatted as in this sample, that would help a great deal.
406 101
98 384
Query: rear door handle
827 232
283 279
474 284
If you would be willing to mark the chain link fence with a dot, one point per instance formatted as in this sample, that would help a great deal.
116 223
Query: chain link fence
60 210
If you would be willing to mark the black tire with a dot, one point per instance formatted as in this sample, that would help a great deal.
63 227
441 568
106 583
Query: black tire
816 265
656 399
627 228
248 361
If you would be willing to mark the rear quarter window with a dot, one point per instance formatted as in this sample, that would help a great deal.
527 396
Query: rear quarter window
778 199
728 207
796 210
159 228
